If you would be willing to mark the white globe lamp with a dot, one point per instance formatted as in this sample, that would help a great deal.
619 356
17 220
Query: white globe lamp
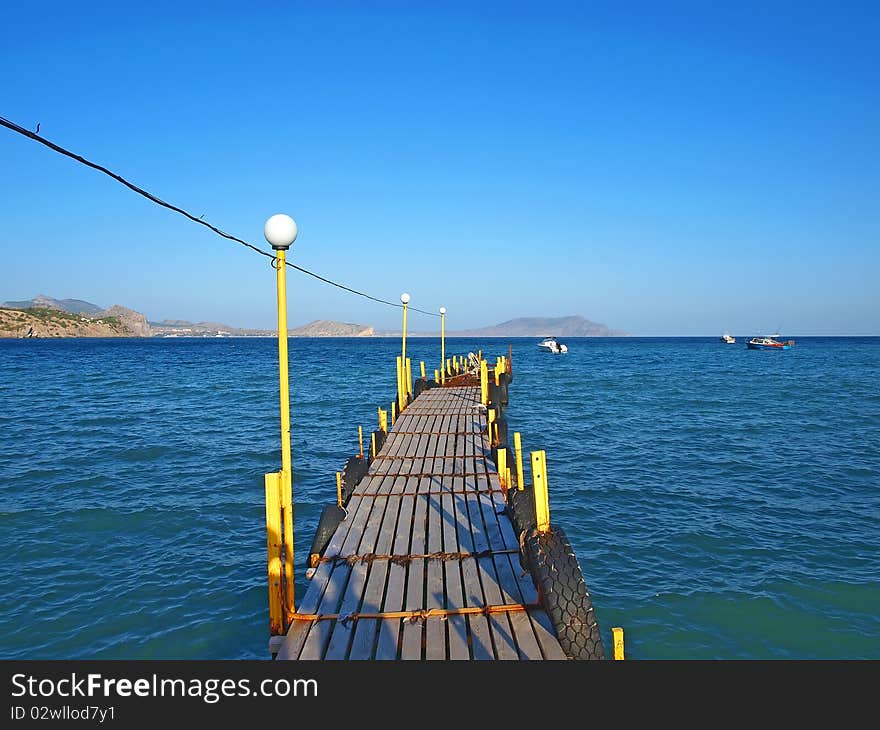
280 231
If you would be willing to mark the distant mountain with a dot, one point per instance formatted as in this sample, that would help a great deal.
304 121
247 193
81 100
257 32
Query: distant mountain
572 326
327 328
128 323
74 306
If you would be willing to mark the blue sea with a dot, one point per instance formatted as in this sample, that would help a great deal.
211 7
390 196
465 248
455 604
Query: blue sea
723 503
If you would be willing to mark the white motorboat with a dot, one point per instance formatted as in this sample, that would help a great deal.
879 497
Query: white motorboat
551 344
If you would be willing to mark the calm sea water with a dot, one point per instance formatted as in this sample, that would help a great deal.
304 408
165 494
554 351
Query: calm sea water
723 502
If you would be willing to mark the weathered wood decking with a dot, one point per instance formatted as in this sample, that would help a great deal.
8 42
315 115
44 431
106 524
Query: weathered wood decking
425 529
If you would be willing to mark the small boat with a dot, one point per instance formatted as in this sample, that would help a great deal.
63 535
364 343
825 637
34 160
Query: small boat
551 344
728 338
769 343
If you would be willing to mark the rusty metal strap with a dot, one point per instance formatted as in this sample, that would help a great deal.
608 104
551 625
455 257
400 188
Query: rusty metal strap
407 559
434 433
432 492
470 411
382 457
436 474
418 614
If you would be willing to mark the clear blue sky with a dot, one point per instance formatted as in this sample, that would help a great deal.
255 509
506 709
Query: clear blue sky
667 169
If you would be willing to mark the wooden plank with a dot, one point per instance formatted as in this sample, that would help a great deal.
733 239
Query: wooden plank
481 637
366 629
457 625
355 582
413 632
502 633
435 588
389 630
504 567
435 591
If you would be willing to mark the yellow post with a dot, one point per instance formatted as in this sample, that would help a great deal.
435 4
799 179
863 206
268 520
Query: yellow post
449 367
339 488
422 365
408 382
399 380
484 384
280 231
373 445
502 467
404 299
443 342
517 445
617 635
361 441
383 420
436 376
393 412
274 549
539 485
497 373
507 478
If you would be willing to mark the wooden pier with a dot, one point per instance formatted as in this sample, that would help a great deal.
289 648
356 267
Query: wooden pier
426 564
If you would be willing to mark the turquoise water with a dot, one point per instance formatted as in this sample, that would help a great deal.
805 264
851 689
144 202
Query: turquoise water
724 503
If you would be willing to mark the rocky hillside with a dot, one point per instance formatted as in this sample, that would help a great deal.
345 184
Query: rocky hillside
133 322
326 328
46 322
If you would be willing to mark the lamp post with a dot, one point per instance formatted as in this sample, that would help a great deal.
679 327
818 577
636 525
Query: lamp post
403 390
280 231
442 345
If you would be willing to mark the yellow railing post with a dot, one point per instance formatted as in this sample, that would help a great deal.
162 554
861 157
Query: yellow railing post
443 342
436 376
361 441
484 384
422 366
280 232
539 486
274 550
383 419
617 635
408 379
373 445
393 412
517 445
339 488
502 467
